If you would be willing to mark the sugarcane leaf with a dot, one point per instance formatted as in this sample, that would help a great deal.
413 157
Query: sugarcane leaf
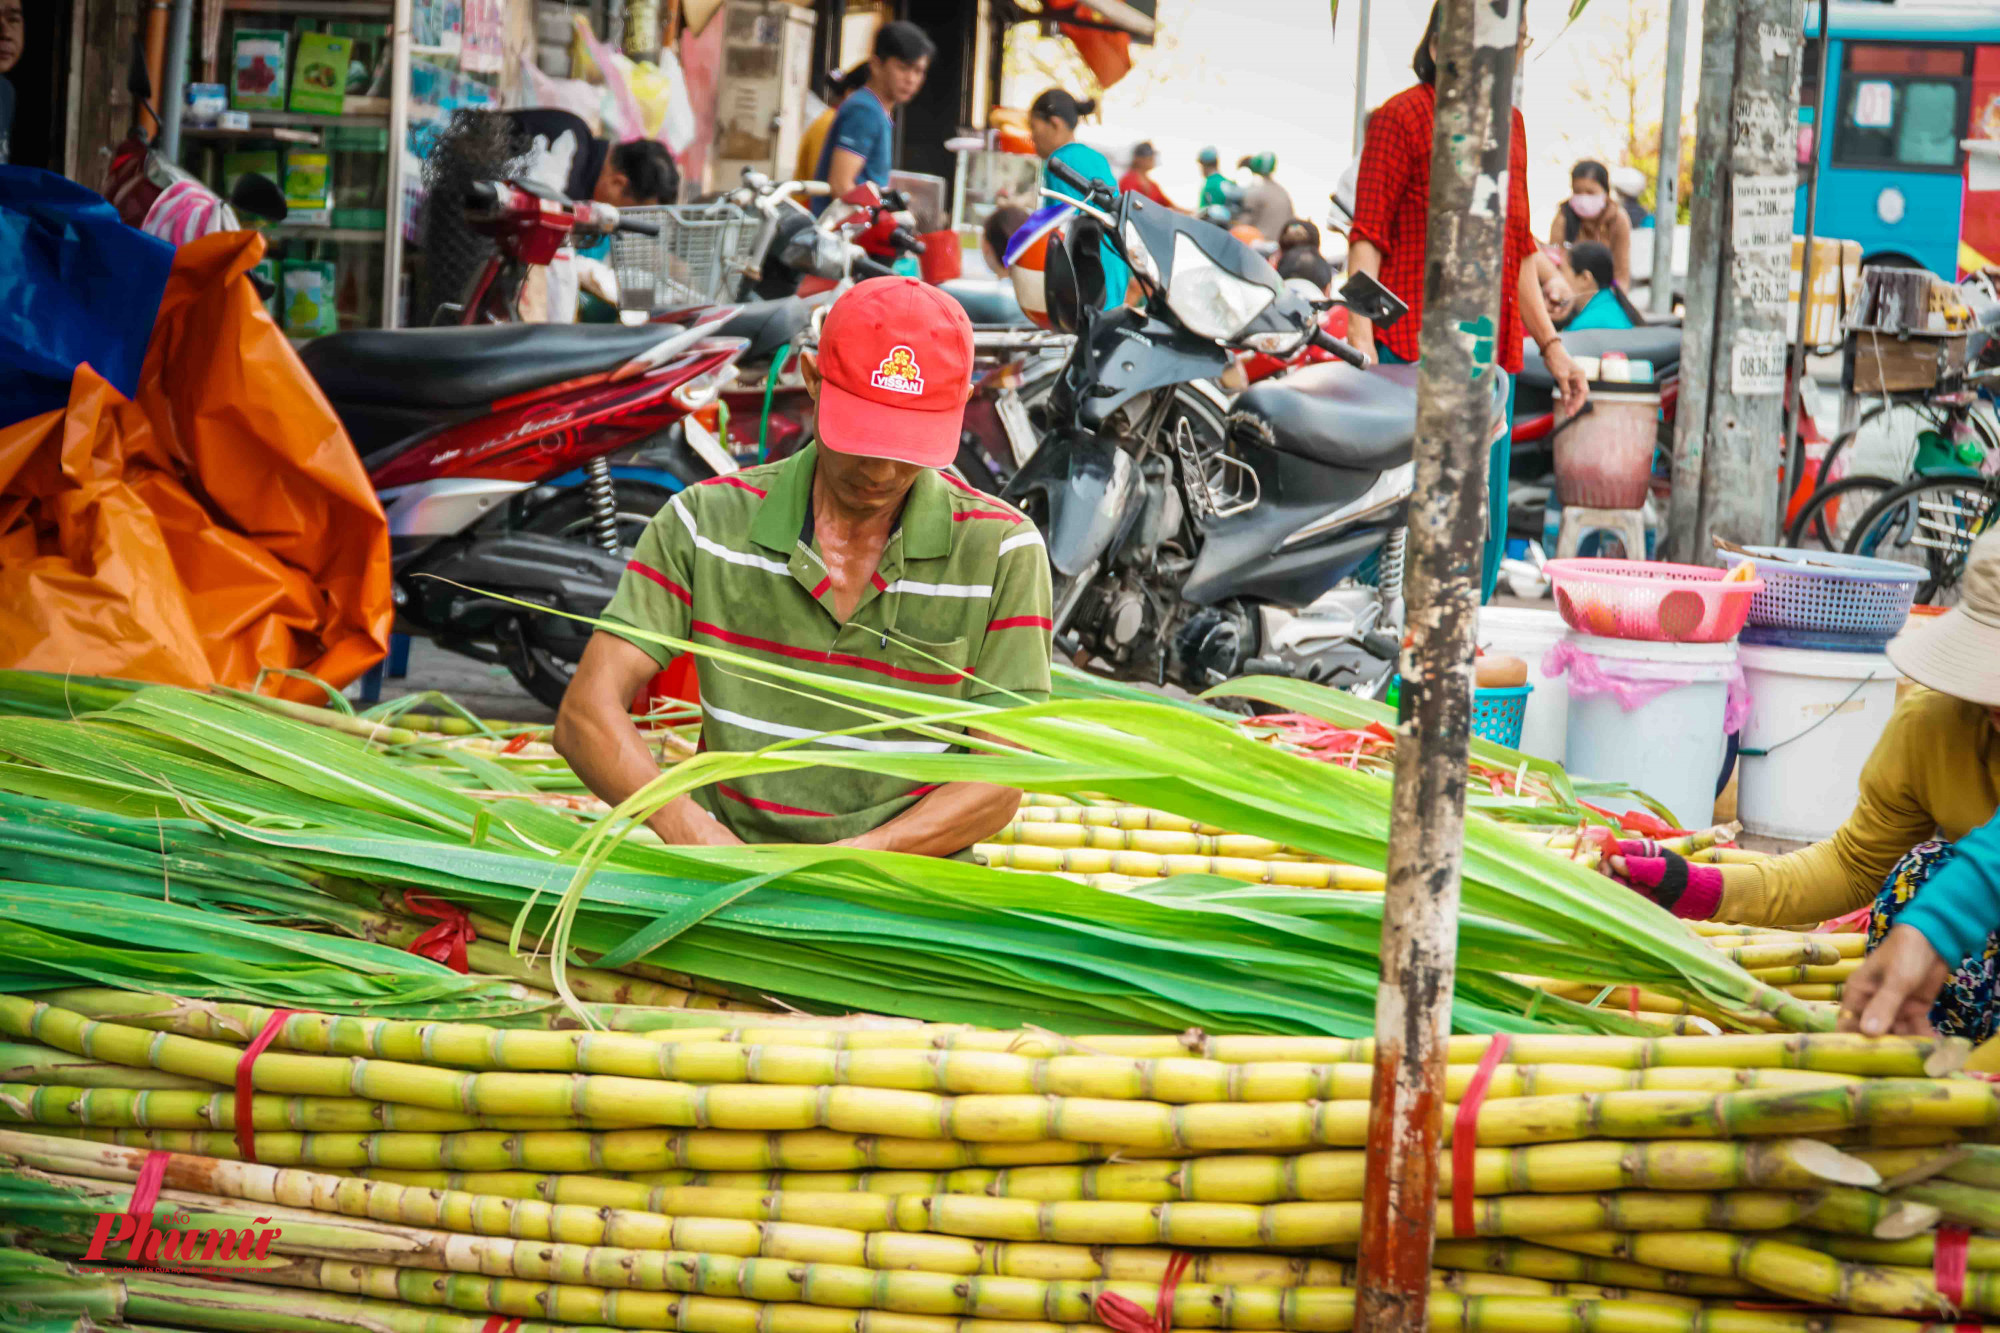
674 924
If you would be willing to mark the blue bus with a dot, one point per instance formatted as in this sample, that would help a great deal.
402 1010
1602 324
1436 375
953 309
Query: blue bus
1907 85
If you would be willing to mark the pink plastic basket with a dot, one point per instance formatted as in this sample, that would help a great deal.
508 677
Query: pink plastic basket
1638 599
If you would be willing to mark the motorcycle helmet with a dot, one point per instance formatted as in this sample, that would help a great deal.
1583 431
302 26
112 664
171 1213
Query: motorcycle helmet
1027 257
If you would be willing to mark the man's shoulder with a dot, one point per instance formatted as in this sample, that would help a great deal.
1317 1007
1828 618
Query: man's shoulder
985 527
732 497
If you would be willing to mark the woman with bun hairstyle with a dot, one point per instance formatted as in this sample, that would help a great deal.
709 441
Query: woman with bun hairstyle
1052 119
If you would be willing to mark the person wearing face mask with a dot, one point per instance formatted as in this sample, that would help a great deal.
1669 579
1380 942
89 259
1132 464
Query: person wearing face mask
1389 242
1591 214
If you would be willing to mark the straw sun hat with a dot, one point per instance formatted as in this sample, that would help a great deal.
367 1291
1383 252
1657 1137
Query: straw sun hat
1958 653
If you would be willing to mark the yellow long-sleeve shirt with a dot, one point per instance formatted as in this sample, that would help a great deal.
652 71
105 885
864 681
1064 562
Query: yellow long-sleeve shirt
1934 773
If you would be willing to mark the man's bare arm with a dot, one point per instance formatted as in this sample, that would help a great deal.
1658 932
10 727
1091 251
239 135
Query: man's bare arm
843 169
946 821
594 732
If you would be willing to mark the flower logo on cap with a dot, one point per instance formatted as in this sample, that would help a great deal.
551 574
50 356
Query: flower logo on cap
899 372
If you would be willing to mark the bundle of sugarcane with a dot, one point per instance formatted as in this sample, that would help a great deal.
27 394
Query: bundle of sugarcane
293 816
815 1173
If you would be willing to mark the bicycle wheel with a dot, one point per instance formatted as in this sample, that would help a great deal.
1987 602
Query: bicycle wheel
1929 522
1830 516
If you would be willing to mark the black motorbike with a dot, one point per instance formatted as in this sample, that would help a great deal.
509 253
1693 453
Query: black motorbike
1277 547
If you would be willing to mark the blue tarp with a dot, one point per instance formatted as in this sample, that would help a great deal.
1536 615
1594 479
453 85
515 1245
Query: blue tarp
76 285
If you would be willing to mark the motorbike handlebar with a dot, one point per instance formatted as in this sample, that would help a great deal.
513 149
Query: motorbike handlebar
482 194
906 240
872 268
1327 342
638 226
1069 175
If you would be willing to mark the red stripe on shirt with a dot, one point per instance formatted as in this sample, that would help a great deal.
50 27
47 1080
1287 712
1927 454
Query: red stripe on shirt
961 515
830 659
769 807
1020 622
647 571
820 591
875 580
738 483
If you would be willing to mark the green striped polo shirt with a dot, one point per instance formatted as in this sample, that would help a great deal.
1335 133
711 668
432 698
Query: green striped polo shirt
958 607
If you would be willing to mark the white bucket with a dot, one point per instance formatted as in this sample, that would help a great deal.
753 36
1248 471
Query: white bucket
1528 633
1817 715
1670 747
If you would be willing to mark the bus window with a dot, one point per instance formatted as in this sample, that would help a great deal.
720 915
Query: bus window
1902 106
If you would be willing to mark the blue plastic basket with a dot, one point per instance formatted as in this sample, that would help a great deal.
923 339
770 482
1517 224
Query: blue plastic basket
1497 714
1855 596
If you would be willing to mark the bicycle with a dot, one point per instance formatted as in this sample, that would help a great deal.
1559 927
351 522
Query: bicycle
1929 522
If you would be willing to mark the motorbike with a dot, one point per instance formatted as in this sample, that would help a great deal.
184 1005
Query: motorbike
470 433
1276 549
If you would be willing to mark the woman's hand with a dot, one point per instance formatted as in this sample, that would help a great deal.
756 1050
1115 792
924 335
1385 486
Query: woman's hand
1361 337
1892 992
1569 380
1687 889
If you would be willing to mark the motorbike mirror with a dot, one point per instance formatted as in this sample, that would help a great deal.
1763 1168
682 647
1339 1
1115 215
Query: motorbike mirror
1060 290
137 81
1372 301
258 195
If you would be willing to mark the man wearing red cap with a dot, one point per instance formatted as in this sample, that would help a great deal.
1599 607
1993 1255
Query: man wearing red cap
857 558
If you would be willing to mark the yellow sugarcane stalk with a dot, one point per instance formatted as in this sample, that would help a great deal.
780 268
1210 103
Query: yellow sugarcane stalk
1843 1053
1164 842
1810 974
1089 861
1755 957
53 1104
1789 1270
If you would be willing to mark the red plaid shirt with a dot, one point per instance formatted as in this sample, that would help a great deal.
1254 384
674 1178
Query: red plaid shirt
1392 208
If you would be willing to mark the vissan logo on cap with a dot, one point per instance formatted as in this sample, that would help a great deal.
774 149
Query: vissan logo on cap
899 372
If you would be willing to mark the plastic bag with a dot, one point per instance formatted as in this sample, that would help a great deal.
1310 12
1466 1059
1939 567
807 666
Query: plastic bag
1636 684
215 524
76 285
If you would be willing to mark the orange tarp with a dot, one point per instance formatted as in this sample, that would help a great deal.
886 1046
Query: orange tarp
217 524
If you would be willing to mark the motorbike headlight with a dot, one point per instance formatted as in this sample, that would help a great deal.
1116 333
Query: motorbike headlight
1276 342
1212 302
1141 257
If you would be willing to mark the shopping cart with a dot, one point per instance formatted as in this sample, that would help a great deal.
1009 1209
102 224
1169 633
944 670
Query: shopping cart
695 260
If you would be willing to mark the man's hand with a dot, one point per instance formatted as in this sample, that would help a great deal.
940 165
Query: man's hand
1575 388
594 731
1892 992
1361 337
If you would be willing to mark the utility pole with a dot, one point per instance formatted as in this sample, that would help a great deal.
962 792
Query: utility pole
1729 433
1667 185
1478 44
1361 76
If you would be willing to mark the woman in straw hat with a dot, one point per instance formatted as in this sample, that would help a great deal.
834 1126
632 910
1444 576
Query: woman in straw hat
1922 844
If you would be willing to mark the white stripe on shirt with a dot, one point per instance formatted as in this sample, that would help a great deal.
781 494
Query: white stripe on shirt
941 589
788 732
1028 538
722 552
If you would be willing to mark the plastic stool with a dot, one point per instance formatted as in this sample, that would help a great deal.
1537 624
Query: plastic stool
1628 525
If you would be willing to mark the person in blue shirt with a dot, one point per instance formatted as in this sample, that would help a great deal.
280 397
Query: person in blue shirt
1600 302
861 145
1052 119
1934 953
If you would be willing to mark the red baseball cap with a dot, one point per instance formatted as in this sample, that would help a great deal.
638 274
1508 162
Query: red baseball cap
895 359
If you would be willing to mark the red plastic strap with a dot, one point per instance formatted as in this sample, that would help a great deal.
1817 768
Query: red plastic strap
518 744
146 1189
1126 1316
445 942
500 1324
1465 1139
246 1135
1948 1263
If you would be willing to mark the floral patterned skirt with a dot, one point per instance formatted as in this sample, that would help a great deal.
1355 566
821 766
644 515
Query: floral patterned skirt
1966 1007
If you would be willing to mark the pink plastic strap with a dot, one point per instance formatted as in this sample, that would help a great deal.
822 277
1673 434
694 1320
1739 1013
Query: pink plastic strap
1635 685
1465 1139
146 1189
1948 1257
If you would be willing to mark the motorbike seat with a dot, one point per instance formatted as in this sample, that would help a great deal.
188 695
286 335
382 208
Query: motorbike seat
447 368
1657 343
768 325
1332 413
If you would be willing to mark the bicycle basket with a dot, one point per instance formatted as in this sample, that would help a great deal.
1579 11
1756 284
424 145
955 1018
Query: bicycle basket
694 260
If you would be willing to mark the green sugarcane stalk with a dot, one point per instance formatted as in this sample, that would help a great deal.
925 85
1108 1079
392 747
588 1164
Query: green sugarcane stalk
119 1108
28 1062
1789 1270
1965 1205
1977 1164
1525 1258
1982 1252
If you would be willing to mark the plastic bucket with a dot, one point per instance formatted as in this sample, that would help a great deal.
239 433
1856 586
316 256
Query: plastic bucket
1528 633
1604 460
1671 745
1815 716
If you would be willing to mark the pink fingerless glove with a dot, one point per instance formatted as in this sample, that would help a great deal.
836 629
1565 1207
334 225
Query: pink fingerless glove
1690 891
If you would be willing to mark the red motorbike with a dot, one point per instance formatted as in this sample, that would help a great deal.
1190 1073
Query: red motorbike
489 443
